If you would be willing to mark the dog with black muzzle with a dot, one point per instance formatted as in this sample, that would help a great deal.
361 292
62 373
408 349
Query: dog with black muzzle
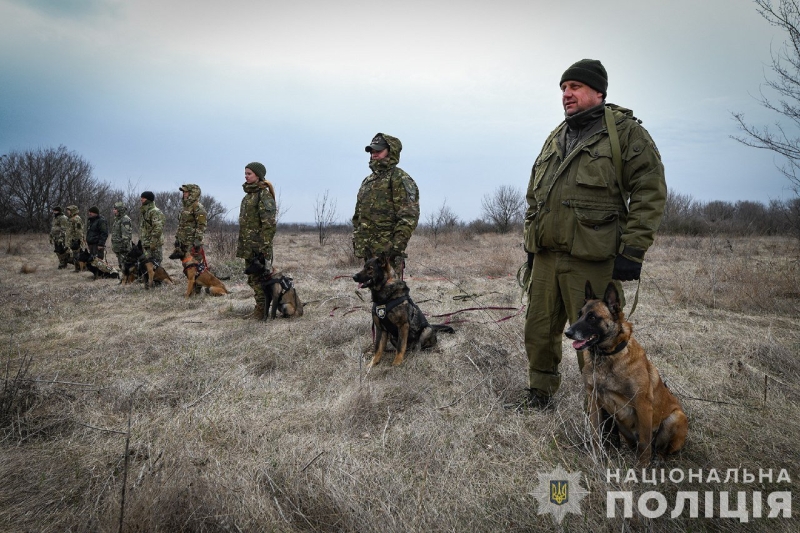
279 291
395 316
624 389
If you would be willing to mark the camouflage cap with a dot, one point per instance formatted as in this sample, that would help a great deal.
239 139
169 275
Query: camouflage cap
377 144
119 205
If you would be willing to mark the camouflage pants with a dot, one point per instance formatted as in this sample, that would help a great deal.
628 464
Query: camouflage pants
155 255
254 280
120 258
555 295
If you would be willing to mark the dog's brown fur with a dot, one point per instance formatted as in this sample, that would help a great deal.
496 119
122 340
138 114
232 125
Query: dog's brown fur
206 279
276 296
403 323
622 386
132 268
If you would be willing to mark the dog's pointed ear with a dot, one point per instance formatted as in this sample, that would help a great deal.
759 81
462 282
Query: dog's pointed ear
368 253
589 292
611 298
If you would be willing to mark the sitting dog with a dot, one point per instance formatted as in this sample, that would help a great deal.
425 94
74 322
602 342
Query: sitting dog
198 273
395 316
623 388
279 292
136 266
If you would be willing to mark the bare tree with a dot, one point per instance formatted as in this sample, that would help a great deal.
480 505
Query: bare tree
442 220
504 208
324 215
34 181
782 139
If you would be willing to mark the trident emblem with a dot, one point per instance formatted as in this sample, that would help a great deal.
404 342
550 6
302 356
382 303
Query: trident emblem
559 492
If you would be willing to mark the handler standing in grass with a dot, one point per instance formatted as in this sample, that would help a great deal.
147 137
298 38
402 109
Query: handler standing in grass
74 233
257 224
191 221
595 199
96 233
387 206
121 232
151 228
58 236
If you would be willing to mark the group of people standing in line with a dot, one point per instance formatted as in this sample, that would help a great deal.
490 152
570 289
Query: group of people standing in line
595 198
68 237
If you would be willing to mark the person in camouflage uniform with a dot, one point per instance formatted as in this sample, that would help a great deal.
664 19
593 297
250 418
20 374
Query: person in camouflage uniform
257 224
58 236
121 232
151 228
96 233
192 220
588 218
387 206
74 234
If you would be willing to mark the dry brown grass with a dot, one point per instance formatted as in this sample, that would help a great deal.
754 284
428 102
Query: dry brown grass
245 426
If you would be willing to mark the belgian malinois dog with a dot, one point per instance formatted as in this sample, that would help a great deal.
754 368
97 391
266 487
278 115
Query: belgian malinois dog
395 316
136 266
198 274
279 292
623 388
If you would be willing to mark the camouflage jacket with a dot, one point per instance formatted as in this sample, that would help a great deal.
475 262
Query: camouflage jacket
151 226
121 230
58 231
75 229
575 204
257 220
192 220
387 207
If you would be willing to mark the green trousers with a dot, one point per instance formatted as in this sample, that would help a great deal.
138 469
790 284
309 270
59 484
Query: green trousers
555 294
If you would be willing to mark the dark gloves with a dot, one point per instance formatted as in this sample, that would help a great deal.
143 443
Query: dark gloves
626 269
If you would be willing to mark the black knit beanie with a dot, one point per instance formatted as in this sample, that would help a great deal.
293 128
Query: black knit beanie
258 169
149 196
588 71
94 209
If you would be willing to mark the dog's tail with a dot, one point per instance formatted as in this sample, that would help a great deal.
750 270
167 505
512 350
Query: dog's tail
442 327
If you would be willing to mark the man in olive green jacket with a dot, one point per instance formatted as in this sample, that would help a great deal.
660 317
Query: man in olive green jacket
595 199
387 206
58 236
75 234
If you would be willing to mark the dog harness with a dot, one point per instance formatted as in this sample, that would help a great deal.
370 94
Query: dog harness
188 263
284 281
382 311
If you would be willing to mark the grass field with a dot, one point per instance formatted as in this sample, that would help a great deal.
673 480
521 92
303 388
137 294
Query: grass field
180 415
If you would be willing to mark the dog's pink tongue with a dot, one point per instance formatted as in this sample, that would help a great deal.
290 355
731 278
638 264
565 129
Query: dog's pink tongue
360 285
578 344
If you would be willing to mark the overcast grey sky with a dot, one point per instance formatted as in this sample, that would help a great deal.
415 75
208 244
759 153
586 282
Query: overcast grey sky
163 92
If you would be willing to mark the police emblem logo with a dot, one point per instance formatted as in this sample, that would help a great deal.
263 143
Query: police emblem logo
559 492
380 311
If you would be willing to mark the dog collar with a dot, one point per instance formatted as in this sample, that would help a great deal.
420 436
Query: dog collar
621 346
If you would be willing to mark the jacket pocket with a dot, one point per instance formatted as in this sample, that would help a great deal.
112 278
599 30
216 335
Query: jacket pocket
596 169
597 234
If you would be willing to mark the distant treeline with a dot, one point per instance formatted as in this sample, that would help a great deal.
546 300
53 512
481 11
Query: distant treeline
34 181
